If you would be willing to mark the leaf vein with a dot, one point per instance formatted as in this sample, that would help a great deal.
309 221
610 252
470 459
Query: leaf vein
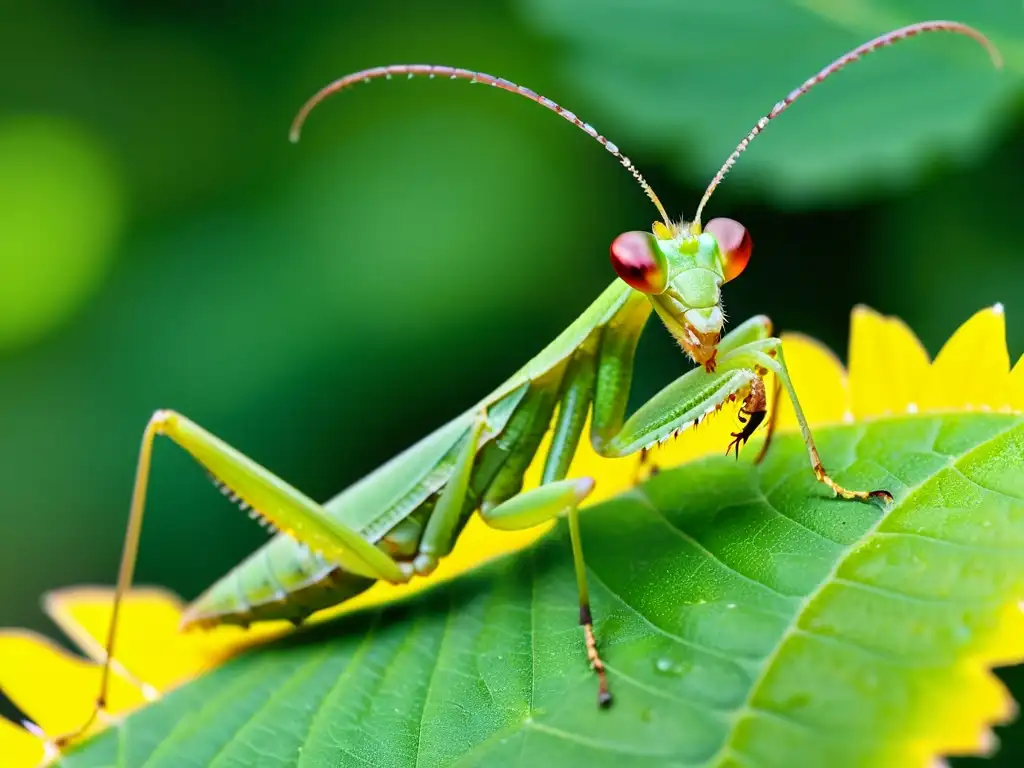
896 594
771 506
183 727
711 556
281 691
445 632
773 656
702 709
587 741
841 643
976 548
733 658
986 489
364 645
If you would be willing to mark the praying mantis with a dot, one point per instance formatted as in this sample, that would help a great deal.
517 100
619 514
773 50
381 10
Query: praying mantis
397 522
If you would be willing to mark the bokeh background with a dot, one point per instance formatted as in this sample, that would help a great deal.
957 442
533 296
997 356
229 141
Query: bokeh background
321 306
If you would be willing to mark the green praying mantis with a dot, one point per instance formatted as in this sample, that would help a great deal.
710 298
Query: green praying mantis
397 522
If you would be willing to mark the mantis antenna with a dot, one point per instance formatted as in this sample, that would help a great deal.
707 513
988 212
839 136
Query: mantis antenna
881 41
432 71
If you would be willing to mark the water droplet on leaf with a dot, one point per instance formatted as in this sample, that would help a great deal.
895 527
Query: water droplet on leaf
671 667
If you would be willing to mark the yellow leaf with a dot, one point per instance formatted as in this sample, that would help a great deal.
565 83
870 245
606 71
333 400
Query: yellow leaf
820 382
888 365
18 746
54 688
1015 386
971 370
150 650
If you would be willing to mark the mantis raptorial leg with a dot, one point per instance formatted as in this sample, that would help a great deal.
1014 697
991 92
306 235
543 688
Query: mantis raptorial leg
399 520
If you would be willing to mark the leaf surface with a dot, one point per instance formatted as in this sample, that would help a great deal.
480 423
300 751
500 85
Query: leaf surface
747 619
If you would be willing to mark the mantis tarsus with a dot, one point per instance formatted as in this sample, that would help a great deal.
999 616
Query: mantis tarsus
398 521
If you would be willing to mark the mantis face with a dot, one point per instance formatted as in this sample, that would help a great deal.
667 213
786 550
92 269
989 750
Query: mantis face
682 273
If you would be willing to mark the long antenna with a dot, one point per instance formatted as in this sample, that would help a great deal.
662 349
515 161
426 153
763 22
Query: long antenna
847 58
432 71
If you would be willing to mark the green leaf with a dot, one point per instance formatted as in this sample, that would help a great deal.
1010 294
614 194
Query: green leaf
689 78
746 617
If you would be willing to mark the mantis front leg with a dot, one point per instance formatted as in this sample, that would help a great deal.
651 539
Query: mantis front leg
767 354
687 399
744 356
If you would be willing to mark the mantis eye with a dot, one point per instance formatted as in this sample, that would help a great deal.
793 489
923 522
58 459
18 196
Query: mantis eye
734 243
639 262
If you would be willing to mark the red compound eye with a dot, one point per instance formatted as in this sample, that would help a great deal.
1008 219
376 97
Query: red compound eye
735 244
639 262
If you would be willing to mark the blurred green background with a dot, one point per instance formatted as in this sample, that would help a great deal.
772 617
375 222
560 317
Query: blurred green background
322 306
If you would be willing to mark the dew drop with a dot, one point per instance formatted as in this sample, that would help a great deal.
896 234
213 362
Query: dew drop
670 667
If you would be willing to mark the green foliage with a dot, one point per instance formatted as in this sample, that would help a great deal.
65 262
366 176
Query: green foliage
744 615
690 77
62 206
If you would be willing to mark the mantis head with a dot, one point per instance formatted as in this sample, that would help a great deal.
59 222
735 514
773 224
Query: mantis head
681 270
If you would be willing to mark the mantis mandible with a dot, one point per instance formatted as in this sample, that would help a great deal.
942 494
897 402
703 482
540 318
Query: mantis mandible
398 521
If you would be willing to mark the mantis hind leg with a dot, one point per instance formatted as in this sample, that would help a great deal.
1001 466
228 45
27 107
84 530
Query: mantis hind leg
537 506
280 504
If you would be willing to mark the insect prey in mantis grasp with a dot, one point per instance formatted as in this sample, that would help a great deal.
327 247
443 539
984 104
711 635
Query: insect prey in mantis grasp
398 521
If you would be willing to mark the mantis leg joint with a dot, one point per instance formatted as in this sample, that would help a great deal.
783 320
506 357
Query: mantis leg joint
424 564
161 419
